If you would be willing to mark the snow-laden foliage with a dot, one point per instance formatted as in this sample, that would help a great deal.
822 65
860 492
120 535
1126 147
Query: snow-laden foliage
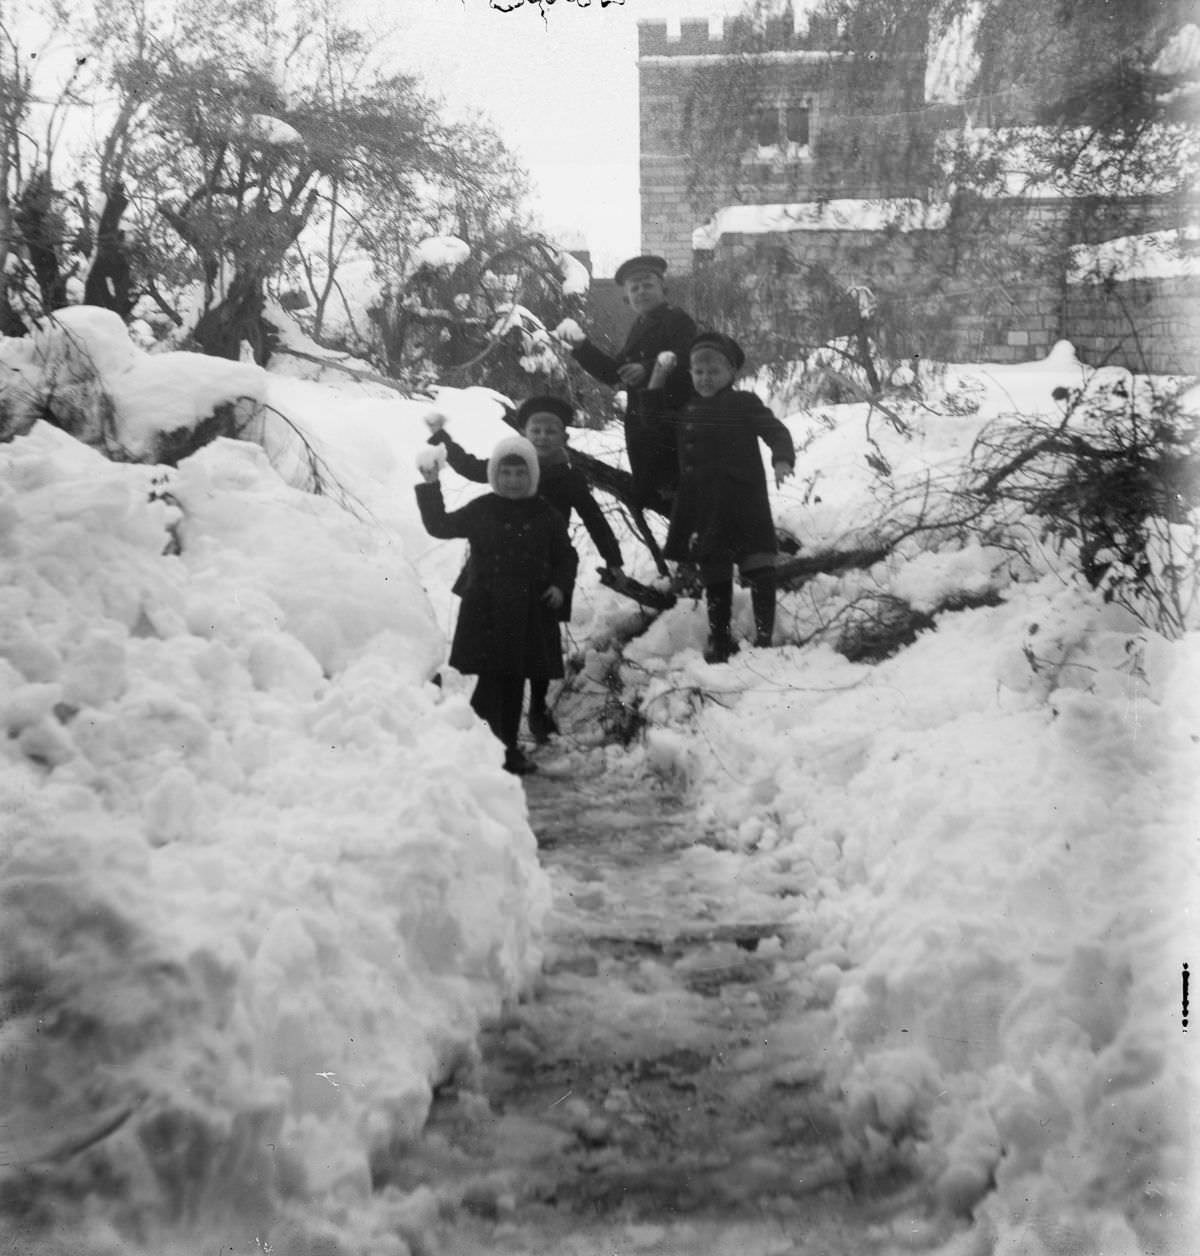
441 252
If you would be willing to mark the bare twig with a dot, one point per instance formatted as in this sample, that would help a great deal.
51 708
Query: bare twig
371 377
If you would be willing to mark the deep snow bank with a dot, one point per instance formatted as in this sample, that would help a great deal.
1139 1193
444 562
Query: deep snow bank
990 840
260 878
987 838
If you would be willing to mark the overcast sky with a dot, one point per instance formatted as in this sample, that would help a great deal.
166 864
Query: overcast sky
562 91
558 82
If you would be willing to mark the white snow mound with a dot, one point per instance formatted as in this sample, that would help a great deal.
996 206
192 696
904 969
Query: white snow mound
260 879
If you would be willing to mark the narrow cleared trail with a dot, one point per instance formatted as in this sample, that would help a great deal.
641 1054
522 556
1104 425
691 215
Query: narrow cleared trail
659 1092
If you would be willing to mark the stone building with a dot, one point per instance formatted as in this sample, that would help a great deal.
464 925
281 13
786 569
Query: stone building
832 170
823 123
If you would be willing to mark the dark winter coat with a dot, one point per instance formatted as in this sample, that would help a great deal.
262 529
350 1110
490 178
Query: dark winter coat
721 507
566 489
652 460
518 550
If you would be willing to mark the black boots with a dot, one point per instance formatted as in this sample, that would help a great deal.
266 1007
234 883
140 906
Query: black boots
719 598
516 762
542 724
762 598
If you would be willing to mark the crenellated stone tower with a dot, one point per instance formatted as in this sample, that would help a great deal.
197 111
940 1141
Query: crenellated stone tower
822 120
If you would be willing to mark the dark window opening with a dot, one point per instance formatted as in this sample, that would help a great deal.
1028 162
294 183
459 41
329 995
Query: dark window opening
797 125
766 127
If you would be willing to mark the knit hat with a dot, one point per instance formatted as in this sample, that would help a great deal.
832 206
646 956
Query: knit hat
514 447
544 405
647 261
726 346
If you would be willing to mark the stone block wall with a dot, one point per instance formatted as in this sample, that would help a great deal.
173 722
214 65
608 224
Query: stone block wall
992 289
1145 324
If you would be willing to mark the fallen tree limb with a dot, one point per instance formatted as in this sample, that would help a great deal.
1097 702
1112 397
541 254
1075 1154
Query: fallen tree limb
608 479
370 377
619 485
793 572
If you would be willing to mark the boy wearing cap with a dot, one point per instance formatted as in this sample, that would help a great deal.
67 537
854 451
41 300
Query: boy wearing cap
544 421
722 515
521 573
659 327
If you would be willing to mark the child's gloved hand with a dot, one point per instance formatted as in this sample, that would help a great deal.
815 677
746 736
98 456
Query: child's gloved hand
435 420
783 471
570 332
430 460
553 597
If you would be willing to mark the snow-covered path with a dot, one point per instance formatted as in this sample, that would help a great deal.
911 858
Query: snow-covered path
658 1093
901 972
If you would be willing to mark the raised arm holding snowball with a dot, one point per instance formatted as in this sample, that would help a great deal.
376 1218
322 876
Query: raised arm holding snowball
545 421
521 572
658 326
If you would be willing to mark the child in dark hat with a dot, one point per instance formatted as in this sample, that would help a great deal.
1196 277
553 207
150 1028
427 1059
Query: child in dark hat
544 421
722 515
521 573
658 327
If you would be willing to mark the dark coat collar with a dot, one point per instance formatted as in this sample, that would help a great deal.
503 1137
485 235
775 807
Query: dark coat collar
655 315
717 396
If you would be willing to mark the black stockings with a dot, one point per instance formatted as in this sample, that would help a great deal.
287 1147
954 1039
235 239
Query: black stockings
497 700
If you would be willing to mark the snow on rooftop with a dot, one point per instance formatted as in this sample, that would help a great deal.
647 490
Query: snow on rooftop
1154 255
835 215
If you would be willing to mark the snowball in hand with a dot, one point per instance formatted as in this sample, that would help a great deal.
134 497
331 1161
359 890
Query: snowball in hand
435 420
431 458
666 359
570 331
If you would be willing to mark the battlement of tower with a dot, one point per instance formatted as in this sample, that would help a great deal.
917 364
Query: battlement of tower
702 36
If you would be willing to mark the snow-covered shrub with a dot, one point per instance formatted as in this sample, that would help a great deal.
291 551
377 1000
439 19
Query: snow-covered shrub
1114 481
81 371
479 314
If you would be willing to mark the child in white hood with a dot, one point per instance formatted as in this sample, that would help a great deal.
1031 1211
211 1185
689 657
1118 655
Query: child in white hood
521 572
544 421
